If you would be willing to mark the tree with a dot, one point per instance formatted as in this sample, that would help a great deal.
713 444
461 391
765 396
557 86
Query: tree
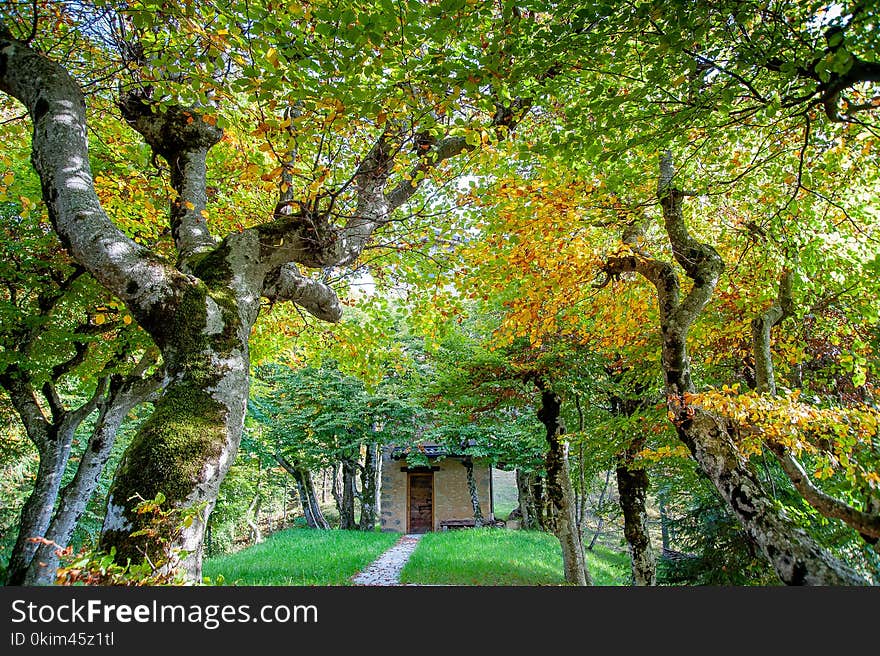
62 333
200 310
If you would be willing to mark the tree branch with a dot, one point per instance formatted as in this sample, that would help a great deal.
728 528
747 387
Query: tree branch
867 524
182 137
60 156
317 298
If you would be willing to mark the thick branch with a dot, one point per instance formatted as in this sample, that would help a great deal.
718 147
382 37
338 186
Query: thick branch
61 159
505 119
182 137
701 262
24 400
312 295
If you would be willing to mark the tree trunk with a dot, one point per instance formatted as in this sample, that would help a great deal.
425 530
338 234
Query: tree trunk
75 496
560 495
527 507
349 492
252 517
472 491
632 487
307 497
600 522
369 487
537 494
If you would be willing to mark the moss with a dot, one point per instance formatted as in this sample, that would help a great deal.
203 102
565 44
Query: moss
186 431
213 267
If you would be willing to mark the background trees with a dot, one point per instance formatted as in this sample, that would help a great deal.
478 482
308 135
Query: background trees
240 157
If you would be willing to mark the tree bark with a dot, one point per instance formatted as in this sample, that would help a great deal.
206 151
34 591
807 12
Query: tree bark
74 498
349 492
527 507
632 487
600 522
795 556
369 487
560 495
252 517
472 491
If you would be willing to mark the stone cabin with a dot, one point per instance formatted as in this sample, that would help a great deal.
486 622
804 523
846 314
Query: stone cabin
433 497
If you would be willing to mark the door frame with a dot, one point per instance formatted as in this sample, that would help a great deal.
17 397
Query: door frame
409 476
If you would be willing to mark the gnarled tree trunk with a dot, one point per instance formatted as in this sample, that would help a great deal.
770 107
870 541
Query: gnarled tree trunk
199 311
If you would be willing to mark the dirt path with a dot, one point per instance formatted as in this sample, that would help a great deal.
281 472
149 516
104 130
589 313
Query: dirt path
385 570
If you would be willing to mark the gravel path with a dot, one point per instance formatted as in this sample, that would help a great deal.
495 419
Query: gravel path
385 570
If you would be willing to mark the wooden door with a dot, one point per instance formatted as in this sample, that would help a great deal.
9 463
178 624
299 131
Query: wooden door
421 502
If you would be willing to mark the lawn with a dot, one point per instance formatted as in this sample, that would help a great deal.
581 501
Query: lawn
501 557
301 556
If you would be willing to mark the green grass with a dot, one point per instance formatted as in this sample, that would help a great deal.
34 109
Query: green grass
301 557
501 557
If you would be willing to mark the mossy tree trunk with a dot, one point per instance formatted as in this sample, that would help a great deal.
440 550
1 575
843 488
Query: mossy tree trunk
199 309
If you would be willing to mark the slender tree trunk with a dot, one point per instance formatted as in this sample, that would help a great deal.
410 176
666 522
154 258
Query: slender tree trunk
74 498
559 490
600 522
370 487
252 518
472 491
309 501
664 520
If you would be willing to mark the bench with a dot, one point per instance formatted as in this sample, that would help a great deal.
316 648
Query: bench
452 524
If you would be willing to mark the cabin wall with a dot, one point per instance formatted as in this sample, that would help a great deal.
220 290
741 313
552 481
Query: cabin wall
451 497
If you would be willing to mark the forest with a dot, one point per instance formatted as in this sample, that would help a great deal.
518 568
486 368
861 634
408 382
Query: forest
627 253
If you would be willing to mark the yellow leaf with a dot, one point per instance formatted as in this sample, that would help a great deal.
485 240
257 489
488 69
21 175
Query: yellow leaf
189 205
204 214
99 319
126 320
8 179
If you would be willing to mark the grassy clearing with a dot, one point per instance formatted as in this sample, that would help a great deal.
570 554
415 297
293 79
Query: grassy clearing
499 557
301 557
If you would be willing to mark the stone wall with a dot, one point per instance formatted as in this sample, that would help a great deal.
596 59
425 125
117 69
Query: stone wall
451 497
